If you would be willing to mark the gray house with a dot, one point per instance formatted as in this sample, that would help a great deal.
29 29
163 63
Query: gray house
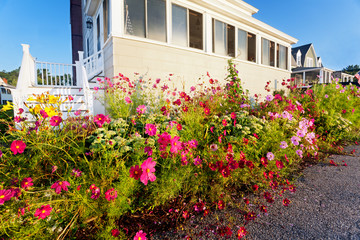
307 67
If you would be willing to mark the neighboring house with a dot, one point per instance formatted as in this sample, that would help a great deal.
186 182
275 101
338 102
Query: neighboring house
307 67
5 91
186 38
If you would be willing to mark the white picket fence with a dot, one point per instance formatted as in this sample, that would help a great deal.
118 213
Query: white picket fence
37 77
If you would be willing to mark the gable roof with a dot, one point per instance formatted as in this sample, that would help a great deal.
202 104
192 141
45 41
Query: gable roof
303 49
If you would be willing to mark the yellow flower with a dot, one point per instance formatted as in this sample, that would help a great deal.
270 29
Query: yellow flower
31 99
8 106
53 99
37 109
51 111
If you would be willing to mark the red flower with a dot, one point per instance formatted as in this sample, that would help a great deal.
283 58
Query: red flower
26 183
225 172
135 172
250 216
233 115
263 209
286 202
255 187
264 161
206 111
179 127
55 121
99 119
58 186
241 232
246 201
186 214
185 108
221 204
115 232
111 194
224 122
206 212
5 195
17 146
279 164
43 211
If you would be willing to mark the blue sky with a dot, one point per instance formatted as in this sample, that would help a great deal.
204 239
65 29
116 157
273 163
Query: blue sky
333 27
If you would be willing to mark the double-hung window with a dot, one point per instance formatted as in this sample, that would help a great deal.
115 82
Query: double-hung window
246 49
223 38
268 52
281 57
146 18
187 27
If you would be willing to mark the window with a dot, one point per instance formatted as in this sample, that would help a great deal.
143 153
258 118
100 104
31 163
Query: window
88 47
223 38
251 47
242 45
106 18
187 27
298 58
8 91
268 53
146 18
3 90
196 29
98 33
310 62
281 57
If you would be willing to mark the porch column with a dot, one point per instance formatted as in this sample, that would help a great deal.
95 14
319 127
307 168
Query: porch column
321 76
117 17
304 78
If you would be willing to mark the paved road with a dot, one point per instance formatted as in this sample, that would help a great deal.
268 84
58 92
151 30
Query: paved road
326 205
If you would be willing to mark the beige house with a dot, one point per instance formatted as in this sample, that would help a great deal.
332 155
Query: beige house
186 38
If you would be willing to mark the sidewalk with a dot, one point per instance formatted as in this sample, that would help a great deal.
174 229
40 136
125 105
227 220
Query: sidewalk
326 205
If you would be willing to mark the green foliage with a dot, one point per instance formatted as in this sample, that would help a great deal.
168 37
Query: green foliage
11 76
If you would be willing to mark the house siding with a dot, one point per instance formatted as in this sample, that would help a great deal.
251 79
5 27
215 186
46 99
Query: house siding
310 54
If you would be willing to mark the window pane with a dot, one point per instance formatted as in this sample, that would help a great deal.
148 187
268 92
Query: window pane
251 47
265 55
98 33
242 40
196 29
106 19
231 40
219 36
134 17
156 14
179 25
282 58
272 54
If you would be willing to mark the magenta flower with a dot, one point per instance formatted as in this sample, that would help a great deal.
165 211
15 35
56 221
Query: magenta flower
193 143
326 96
148 150
5 195
269 98
76 172
299 152
17 146
140 235
175 144
128 100
301 133
150 129
197 161
43 211
44 114
111 194
295 140
148 167
60 185
26 183
53 169
135 172
164 139
141 109
279 164
55 121
270 156
99 119
283 145
95 192
115 232
214 147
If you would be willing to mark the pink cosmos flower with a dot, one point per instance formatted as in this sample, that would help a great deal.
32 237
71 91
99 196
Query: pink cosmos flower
53 169
60 185
150 129
55 121
326 96
299 152
111 194
148 167
141 109
26 183
43 211
135 172
301 133
197 161
1 154
5 195
192 89
270 156
44 114
206 111
279 164
140 235
71 98
115 232
283 145
99 119
76 172
148 150
269 98
17 146
128 100
193 143
214 147
95 193
77 112
21 111
295 140
175 144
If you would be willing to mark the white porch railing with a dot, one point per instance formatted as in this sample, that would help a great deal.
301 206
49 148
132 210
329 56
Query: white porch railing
39 77
93 64
54 74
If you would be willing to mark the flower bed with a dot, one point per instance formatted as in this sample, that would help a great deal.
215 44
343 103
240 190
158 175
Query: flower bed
162 151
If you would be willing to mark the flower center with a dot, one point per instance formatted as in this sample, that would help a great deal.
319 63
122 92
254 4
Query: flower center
26 183
43 211
148 170
2 196
60 183
136 172
17 147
